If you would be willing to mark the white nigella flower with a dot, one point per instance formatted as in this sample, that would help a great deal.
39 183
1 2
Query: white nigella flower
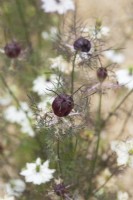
14 115
122 195
124 152
44 104
26 127
15 187
50 35
59 6
38 173
4 101
60 64
104 31
42 84
82 56
114 57
7 198
125 77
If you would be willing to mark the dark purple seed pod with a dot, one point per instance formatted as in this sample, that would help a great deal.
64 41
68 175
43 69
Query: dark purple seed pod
60 189
102 74
82 44
12 50
62 105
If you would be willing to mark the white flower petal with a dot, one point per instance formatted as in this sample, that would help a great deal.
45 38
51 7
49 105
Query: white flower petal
60 6
114 57
38 177
15 187
125 78
122 195
122 159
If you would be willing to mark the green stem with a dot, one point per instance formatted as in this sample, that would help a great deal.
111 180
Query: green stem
108 179
103 185
126 121
14 97
22 18
118 106
58 157
72 73
76 144
97 133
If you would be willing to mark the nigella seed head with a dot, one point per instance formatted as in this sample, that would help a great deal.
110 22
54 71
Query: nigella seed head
62 105
60 189
102 74
12 50
82 44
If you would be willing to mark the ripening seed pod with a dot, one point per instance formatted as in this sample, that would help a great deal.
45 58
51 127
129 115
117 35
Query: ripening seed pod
62 105
12 50
102 74
82 44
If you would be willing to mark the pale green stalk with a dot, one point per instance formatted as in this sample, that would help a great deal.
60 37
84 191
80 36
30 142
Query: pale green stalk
98 127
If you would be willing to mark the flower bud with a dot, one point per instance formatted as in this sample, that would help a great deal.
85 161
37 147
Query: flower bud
102 74
82 44
62 105
12 50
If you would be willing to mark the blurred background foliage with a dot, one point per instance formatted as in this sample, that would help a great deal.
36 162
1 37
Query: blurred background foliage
24 21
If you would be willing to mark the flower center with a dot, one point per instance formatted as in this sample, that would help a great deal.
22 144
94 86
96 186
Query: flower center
12 185
130 71
130 152
37 168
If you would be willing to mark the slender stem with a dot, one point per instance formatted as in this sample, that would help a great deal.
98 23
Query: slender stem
75 148
118 106
76 144
22 18
72 73
108 179
126 121
14 97
97 133
9 90
58 157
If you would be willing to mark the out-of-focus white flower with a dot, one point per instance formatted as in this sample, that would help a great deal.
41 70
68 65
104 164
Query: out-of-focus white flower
125 77
38 173
93 33
15 187
124 151
83 56
59 6
50 35
60 64
42 84
122 195
14 115
26 128
114 57
4 101
7 198
104 177
104 31
44 104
